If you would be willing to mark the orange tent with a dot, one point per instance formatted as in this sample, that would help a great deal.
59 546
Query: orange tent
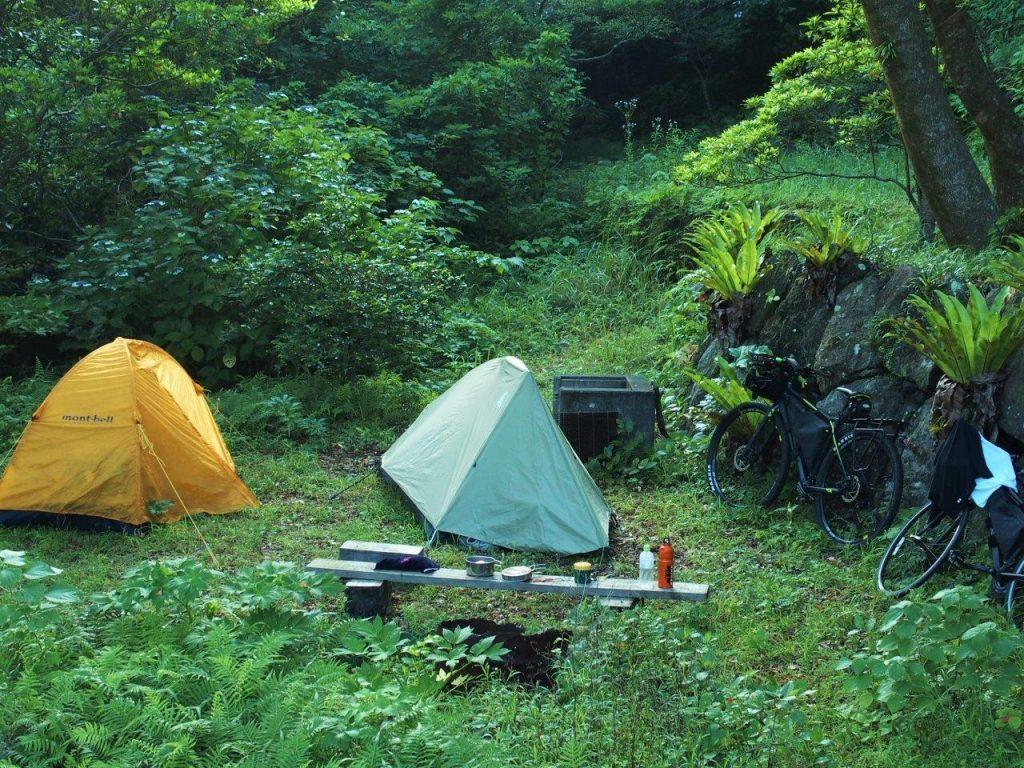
125 435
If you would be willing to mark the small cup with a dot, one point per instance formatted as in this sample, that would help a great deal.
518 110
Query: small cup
582 572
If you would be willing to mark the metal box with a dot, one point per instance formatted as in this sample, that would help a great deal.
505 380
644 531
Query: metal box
589 408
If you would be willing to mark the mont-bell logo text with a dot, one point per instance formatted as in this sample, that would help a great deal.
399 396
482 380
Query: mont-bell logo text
87 418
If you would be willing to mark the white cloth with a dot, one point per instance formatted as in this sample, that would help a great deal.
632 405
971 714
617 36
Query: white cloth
1000 464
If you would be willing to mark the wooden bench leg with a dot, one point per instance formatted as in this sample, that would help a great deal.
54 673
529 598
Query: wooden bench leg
618 603
366 599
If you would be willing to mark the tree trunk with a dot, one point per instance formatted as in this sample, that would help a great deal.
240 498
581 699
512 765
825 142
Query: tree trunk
957 195
712 120
988 104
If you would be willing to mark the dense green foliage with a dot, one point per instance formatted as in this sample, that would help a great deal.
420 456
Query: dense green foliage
204 174
156 192
183 665
923 657
328 211
829 94
258 227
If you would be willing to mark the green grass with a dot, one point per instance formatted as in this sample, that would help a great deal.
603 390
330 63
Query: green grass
785 604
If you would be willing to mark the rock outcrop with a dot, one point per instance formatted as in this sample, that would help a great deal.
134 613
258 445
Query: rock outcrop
845 343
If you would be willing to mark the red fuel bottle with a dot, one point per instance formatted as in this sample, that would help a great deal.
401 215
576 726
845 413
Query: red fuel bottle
665 557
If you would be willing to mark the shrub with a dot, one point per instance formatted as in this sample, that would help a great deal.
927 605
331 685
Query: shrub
284 415
925 658
671 461
29 603
184 665
651 216
260 243
830 93
70 118
494 129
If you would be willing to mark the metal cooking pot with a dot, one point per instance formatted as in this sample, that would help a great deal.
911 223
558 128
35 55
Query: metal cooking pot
480 565
520 572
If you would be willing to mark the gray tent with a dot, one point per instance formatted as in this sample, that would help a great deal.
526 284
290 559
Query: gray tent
486 460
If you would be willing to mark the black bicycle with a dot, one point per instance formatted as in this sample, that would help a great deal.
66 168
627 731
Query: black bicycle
850 465
930 544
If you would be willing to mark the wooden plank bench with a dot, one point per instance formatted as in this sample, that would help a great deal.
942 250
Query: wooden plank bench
357 560
366 598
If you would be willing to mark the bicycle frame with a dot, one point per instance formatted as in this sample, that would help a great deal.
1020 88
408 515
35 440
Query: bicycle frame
884 427
996 571
803 480
804 483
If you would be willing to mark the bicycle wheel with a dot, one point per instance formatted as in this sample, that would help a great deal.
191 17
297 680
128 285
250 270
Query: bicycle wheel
1015 597
919 550
869 483
748 458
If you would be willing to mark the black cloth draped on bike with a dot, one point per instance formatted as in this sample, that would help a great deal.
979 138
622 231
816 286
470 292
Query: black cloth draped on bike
1006 518
958 465
964 461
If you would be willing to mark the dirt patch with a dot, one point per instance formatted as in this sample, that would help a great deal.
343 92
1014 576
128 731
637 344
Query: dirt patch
531 659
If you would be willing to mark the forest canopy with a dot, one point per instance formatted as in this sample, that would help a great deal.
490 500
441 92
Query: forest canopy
185 169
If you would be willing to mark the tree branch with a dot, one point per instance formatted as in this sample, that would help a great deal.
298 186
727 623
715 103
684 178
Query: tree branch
604 55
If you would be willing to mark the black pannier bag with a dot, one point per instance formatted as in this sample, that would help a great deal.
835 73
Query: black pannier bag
812 430
856 405
769 377
1006 521
767 380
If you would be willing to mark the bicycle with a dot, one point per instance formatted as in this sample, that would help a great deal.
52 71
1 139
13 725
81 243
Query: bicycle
854 474
928 544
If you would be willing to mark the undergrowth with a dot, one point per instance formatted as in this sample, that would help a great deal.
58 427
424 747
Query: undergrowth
182 665
749 678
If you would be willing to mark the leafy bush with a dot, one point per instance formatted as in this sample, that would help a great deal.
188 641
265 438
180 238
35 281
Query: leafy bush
184 665
283 414
18 400
963 341
924 658
494 130
259 242
29 601
78 88
670 461
479 94
725 392
652 216
830 93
